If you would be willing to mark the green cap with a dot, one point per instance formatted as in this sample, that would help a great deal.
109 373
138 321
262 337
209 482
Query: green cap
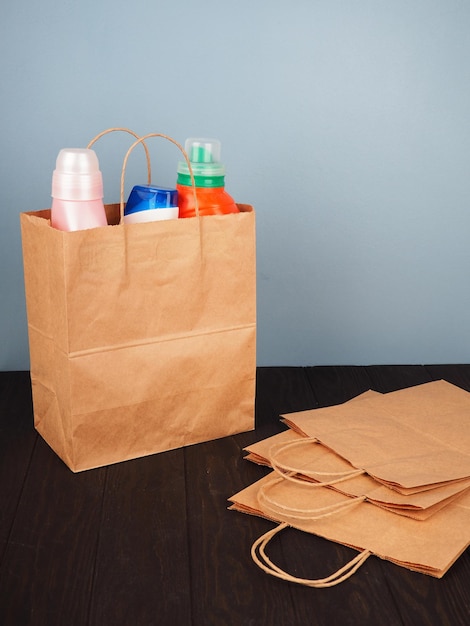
204 155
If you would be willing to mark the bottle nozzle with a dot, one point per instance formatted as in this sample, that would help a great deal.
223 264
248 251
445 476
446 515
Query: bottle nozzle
203 150
200 154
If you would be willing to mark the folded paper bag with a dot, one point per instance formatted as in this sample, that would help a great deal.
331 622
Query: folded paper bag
429 547
300 458
410 439
259 452
142 337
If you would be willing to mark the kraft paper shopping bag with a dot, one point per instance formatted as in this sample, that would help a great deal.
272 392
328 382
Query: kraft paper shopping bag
142 337
410 440
429 547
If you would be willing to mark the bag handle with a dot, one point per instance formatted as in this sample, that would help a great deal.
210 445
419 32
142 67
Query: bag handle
182 150
289 472
259 556
309 514
131 132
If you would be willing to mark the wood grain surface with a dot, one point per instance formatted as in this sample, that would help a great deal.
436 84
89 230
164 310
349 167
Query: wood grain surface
151 542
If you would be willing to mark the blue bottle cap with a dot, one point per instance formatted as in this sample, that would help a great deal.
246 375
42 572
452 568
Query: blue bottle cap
147 197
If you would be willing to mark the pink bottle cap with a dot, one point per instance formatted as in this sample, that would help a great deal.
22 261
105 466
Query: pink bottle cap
77 175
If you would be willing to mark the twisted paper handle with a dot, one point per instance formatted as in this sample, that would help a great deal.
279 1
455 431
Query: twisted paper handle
259 556
276 507
290 472
141 140
131 132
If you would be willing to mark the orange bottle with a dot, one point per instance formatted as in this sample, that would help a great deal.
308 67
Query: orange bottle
209 176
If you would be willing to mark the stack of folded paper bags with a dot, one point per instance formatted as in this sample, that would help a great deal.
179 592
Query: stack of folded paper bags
386 474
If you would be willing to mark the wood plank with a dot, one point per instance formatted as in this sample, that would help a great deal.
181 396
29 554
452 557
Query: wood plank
422 599
142 566
387 378
17 441
227 587
336 384
456 374
47 570
362 599
281 390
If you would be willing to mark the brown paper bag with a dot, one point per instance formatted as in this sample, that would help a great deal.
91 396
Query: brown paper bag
429 547
299 458
410 440
142 337
259 452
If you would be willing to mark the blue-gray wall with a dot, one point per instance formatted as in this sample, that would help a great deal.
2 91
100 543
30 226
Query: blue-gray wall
346 123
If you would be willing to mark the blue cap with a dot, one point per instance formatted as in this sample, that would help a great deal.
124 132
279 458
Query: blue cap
146 197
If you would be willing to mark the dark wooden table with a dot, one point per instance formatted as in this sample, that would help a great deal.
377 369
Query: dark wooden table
151 541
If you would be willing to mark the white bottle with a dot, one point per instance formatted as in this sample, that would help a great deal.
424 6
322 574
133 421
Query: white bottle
77 191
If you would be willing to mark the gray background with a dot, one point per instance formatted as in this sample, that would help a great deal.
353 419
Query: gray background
345 123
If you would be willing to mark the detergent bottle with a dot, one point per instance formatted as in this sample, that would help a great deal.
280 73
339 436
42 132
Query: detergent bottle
148 203
209 176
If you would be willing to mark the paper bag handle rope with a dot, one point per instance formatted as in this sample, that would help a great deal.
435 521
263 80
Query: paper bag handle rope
259 556
276 507
131 132
182 150
289 472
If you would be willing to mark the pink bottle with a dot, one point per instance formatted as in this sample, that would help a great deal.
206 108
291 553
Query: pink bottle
77 191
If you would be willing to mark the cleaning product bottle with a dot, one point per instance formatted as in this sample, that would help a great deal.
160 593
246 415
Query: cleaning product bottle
77 191
209 176
148 203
